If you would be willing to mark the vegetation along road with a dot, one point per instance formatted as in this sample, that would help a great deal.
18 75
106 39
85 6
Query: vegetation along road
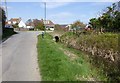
59 63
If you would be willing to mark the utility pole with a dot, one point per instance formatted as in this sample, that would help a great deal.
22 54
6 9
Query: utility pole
6 10
45 16
0 3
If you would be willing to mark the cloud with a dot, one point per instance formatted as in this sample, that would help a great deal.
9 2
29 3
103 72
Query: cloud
54 4
61 15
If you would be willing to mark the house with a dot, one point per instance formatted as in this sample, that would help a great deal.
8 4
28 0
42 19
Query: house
30 24
14 21
49 25
69 26
22 24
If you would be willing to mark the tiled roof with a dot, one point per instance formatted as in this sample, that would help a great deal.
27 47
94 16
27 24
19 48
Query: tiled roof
48 22
15 19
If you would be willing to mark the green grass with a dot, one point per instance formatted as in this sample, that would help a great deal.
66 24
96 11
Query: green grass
104 43
56 66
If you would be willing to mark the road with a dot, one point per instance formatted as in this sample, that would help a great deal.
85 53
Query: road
19 57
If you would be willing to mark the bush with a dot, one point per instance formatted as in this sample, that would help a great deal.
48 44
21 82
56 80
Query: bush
102 49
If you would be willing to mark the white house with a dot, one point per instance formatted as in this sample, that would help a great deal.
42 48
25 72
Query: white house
69 26
22 24
49 24
30 24
17 21
29 27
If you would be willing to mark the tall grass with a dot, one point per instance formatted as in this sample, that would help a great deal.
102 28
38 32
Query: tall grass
56 66
103 49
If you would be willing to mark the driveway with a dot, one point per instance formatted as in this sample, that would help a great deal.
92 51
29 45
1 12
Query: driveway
19 57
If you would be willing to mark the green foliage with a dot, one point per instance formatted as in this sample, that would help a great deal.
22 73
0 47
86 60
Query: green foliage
8 32
103 43
78 24
40 26
56 66
94 22
109 21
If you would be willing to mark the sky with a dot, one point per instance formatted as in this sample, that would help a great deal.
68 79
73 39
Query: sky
58 12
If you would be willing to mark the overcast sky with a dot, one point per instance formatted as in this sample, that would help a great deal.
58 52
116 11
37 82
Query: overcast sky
58 12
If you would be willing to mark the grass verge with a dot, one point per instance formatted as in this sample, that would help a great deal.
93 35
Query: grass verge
55 65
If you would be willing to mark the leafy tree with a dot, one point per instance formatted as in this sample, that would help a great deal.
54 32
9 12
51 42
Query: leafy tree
40 26
117 22
94 22
76 26
109 21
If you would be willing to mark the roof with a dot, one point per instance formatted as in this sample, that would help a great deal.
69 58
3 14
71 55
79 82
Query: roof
30 24
15 19
63 26
48 22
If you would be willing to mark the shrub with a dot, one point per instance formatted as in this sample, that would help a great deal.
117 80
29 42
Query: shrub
102 48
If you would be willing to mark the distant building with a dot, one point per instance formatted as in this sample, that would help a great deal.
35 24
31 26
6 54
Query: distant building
49 24
30 24
69 27
22 24
14 21
17 21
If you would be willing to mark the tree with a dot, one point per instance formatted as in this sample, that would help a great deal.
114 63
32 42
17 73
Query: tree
117 22
109 21
76 26
94 23
38 24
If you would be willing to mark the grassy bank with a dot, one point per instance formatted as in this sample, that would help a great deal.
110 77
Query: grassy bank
56 65
103 49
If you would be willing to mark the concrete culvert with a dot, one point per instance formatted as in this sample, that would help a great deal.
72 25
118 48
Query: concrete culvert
56 39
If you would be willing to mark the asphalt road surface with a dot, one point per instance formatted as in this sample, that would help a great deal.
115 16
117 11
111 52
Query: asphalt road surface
19 58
